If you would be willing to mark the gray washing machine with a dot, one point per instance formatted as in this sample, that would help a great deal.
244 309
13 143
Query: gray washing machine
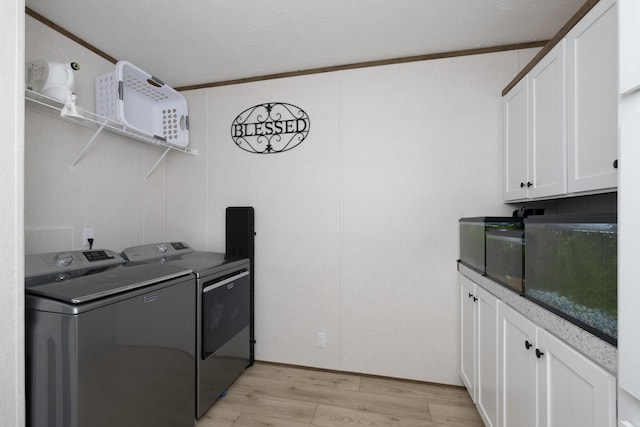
108 343
223 313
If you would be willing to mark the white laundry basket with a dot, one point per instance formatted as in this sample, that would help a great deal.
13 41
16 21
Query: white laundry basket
143 103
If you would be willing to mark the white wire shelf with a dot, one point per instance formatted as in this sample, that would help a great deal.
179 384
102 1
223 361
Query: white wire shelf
52 107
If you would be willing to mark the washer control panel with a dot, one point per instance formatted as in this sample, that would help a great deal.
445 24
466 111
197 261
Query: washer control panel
53 262
64 259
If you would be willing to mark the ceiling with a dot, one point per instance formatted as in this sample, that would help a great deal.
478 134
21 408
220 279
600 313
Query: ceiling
203 41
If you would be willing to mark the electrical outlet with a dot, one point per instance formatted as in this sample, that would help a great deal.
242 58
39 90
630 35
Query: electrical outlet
87 233
322 339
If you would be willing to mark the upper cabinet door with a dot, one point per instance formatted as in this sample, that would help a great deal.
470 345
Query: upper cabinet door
548 136
516 135
629 42
593 100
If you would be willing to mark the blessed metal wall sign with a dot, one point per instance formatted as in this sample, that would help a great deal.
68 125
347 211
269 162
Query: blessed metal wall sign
269 128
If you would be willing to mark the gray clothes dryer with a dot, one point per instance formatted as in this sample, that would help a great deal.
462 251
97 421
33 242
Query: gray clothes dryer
223 313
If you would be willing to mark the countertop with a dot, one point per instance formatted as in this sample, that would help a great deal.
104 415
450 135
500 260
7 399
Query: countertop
592 347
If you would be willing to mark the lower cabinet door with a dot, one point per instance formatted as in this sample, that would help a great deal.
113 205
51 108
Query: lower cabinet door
468 335
573 391
517 373
487 356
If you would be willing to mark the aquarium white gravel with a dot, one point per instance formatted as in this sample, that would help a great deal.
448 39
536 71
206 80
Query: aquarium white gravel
590 316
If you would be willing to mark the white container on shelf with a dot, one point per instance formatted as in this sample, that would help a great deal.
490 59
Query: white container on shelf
143 103
52 79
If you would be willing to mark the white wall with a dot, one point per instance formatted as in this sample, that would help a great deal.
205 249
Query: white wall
12 404
106 189
296 196
629 229
413 139
357 227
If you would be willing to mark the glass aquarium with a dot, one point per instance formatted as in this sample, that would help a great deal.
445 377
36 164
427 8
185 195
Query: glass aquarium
473 235
571 267
505 257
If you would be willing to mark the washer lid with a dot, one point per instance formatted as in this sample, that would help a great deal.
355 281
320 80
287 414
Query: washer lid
103 283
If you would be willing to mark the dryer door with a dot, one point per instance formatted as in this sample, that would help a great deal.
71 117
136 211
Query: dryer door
226 311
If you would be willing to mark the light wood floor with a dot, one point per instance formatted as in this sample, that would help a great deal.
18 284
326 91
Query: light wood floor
284 396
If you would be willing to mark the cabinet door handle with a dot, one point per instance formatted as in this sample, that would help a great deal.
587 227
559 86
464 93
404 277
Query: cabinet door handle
527 344
615 164
529 184
539 354
470 295
522 185
475 299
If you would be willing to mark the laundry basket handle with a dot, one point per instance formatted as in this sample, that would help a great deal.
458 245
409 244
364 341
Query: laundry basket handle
154 81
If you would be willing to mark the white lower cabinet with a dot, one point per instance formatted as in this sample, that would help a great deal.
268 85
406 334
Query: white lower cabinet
468 335
574 390
545 383
479 348
517 373
487 356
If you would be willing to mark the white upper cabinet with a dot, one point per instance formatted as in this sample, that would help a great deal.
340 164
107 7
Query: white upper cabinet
593 100
535 131
548 141
563 116
516 141
629 12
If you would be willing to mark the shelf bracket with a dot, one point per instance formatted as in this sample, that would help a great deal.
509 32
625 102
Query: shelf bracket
157 163
87 145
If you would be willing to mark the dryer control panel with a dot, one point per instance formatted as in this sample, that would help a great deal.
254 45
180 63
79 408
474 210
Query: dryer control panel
155 251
